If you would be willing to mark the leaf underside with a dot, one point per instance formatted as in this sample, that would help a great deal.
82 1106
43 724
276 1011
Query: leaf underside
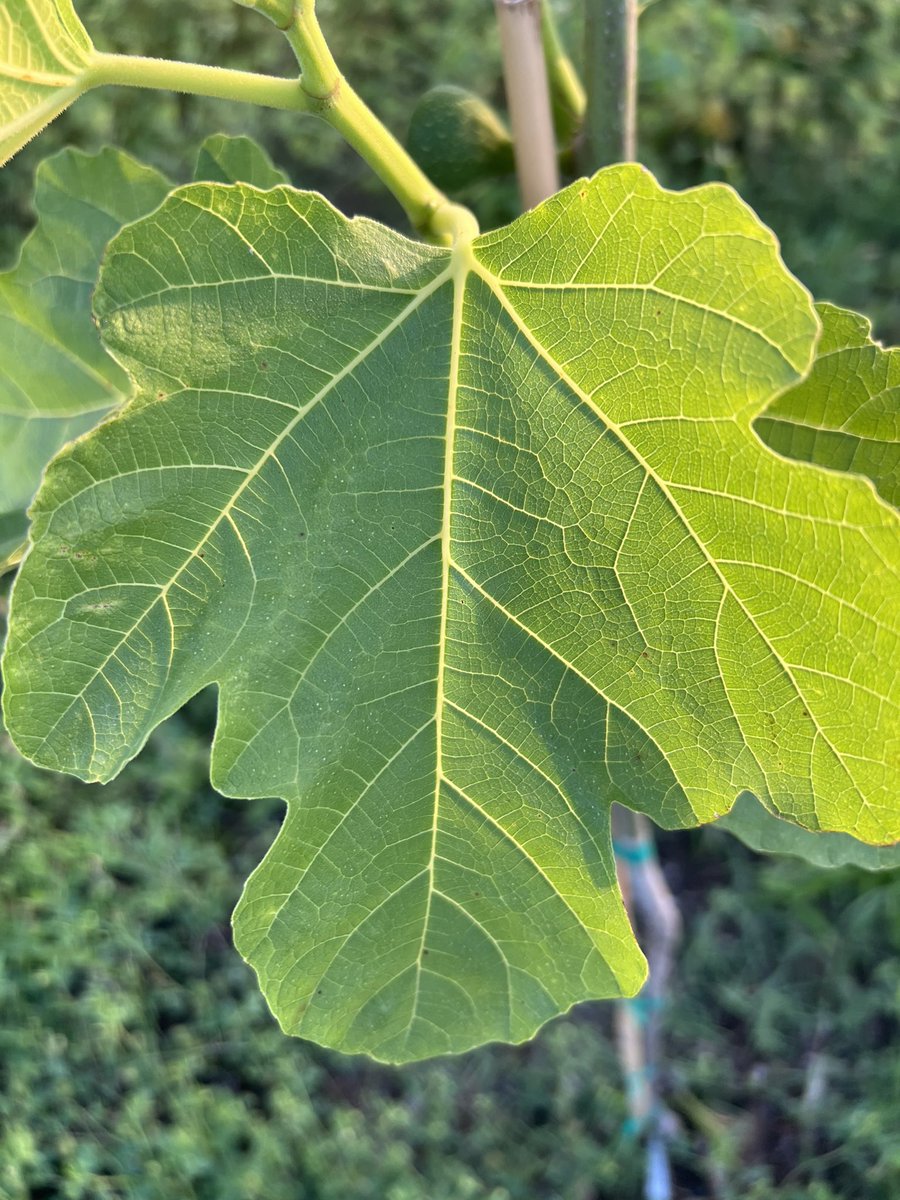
56 379
845 415
13 534
226 159
44 53
474 542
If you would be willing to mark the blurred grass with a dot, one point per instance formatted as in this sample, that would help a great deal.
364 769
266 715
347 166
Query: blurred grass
138 1060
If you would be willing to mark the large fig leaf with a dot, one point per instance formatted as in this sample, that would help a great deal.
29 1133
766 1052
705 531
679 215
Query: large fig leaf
56 380
45 55
846 414
474 542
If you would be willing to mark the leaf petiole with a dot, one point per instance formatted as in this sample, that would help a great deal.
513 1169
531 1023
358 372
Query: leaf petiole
333 99
217 82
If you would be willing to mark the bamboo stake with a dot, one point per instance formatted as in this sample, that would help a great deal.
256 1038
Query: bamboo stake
528 99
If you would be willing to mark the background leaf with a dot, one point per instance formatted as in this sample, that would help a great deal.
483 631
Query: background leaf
768 834
846 414
474 543
13 535
56 380
44 53
224 159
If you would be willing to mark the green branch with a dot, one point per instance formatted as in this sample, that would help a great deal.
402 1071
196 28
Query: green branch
217 82
611 71
331 97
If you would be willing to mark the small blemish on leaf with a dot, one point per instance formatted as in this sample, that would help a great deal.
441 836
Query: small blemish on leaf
101 606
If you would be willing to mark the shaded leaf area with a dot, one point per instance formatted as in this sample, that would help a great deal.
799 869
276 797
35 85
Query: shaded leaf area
449 530
44 54
224 159
764 831
137 1057
846 414
13 533
56 379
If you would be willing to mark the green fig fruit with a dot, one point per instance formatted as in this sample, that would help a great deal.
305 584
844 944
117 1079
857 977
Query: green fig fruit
457 139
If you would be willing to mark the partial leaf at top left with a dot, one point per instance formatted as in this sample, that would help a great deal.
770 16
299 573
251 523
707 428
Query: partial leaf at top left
45 55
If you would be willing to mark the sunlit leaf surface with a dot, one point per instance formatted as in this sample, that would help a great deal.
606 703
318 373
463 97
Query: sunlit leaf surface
474 542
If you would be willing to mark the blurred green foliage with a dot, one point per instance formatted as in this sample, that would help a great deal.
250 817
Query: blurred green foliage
137 1057
138 1061
795 102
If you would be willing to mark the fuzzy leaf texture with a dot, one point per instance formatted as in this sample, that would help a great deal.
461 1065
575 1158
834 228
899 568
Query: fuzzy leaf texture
474 542
45 54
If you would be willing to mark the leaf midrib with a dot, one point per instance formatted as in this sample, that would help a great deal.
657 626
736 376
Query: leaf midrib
460 265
